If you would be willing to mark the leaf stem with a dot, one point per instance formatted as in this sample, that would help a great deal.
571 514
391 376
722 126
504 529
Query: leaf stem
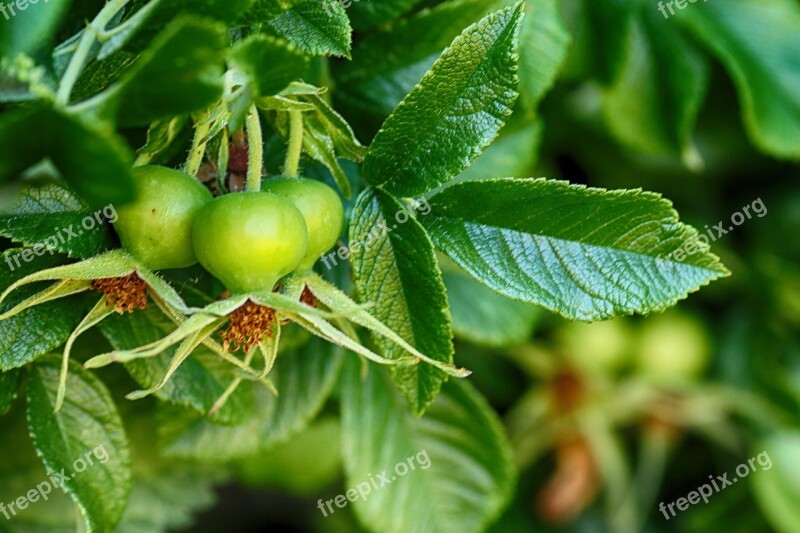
255 150
292 166
88 39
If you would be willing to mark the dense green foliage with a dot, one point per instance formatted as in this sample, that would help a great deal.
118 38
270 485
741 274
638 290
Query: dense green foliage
412 301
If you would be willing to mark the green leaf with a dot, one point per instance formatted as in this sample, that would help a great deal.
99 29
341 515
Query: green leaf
168 502
483 317
95 162
22 470
85 441
513 155
453 114
325 118
777 488
160 136
314 26
270 64
54 217
394 266
757 42
304 379
36 331
9 385
197 383
368 13
654 102
179 73
586 253
389 62
28 29
600 30
542 51
463 473
99 75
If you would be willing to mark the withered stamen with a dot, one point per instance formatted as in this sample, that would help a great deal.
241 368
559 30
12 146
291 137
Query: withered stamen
126 294
307 297
247 326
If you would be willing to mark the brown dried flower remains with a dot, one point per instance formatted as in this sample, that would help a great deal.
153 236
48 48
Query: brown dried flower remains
126 294
247 326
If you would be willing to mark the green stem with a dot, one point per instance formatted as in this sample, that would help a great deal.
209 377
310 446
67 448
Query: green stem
292 166
255 150
87 40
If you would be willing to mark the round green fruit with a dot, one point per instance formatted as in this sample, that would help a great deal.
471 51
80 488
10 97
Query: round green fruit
599 347
673 349
250 240
157 227
321 208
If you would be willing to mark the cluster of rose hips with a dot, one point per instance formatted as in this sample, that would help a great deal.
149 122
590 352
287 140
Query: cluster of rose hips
247 240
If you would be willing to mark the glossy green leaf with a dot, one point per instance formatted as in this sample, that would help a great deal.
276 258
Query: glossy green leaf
389 62
453 114
38 330
85 442
757 42
463 474
655 100
586 253
315 26
483 317
303 378
186 59
543 44
395 268
53 217
270 64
